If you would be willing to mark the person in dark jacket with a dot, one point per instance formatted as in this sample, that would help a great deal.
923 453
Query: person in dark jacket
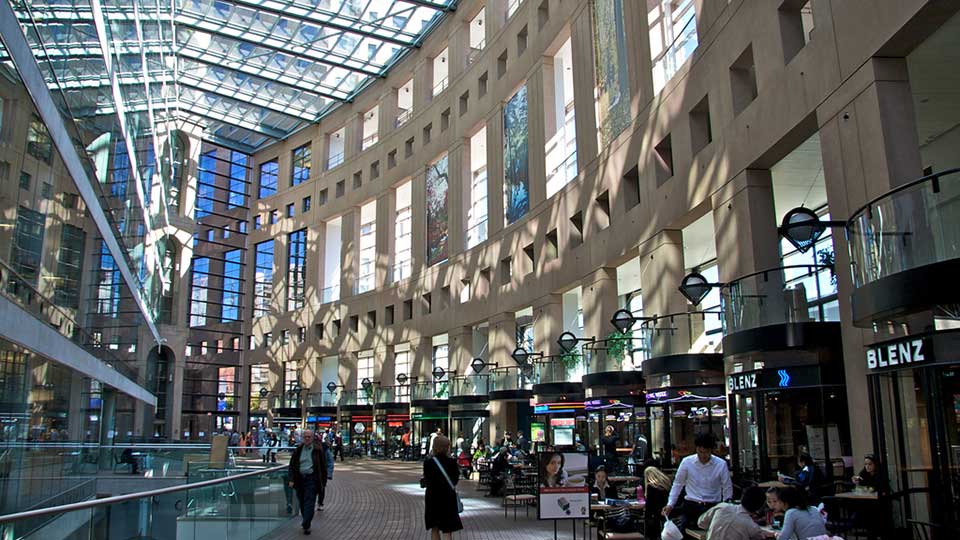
440 503
601 486
308 475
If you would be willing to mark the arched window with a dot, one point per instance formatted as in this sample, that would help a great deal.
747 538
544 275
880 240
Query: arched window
167 249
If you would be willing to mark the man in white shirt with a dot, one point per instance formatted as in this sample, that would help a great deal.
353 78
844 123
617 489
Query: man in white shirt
706 479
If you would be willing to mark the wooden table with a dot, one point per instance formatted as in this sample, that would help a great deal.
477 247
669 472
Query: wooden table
613 479
772 484
857 496
696 534
635 505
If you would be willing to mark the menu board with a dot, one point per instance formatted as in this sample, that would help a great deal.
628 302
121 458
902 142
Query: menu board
563 490
538 432
817 445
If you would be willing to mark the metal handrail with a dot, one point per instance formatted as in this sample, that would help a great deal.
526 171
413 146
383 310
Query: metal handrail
811 269
935 176
131 496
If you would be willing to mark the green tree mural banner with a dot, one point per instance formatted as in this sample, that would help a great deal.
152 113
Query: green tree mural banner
516 172
613 82
438 185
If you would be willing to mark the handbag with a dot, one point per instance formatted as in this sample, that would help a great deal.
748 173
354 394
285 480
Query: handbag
450 483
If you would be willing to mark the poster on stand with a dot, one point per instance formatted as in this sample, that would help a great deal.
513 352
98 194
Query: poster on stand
562 486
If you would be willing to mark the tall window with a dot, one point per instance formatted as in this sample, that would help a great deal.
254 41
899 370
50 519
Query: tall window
401 364
199 289
108 283
331 260
238 179
337 146
120 171
371 127
231 286
300 172
28 244
227 387
368 247
263 279
39 143
673 37
206 184
403 242
268 179
441 68
175 154
478 38
477 211
69 267
296 268
404 103
291 381
259 380
561 146
364 371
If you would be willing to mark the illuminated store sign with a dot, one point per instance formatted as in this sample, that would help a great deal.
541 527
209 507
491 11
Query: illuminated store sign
898 354
554 408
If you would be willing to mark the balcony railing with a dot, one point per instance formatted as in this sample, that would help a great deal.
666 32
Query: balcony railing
475 52
789 294
695 332
430 390
322 399
914 225
404 116
471 385
356 397
510 378
441 86
335 160
330 294
559 368
393 394
369 141
682 46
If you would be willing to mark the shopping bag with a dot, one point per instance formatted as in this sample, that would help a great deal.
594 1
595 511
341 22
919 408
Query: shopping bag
671 531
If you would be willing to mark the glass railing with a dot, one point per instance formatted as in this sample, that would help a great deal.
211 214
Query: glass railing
510 378
335 160
330 294
356 397
238 505
404 116
369 141
25 295
912 226
322 399
616 352
430 390
559 368
471 385
393 394
695 332
789 294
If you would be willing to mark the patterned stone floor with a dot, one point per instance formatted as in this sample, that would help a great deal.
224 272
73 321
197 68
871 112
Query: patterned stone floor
370 499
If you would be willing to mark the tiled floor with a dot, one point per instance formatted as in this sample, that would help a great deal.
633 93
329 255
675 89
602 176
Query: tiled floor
379 500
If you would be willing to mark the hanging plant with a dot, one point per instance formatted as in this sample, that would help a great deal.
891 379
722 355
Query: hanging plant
827 257
570 361
617 345
441 390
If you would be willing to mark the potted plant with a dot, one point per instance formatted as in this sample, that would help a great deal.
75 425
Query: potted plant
617 345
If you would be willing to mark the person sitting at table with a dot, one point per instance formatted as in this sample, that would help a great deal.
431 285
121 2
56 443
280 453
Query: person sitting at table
499 469
774 506
551 470
706 479
128 457
656 489
601 485
726 521
871 476
808 478
801 521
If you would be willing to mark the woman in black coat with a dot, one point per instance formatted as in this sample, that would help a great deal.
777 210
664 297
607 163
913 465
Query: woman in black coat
440 504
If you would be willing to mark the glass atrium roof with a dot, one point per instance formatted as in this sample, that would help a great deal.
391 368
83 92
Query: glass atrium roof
249 71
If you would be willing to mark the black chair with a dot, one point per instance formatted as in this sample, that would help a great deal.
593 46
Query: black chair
923 530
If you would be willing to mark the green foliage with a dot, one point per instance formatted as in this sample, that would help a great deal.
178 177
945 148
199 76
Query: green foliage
617 346
441 390
827 257
570 361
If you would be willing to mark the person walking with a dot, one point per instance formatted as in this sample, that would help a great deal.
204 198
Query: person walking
609 443
308 476
234 440
327 443
433 437
273 447
440 512
706 479
338 445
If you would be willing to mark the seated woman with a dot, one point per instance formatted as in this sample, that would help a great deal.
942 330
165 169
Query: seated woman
801 521
656 491
871 476
808 478
601 486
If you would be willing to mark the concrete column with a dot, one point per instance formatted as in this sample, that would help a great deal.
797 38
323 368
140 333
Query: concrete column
458 46
503 339
388 113
385 369
349 254
175 398
640 68
461 349
423 84
584 86
495 172
869 146
547 323
108 424
386 226
745 222
495 17
599 301
76 417
418 221
539 84
353 136
421 365
661 271
458 166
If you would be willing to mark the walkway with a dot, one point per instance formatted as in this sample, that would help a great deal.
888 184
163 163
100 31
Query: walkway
382 500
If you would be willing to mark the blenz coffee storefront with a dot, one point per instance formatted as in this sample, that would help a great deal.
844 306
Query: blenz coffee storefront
915 400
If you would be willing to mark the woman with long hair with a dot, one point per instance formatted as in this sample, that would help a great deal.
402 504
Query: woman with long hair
601 485
656 490
801 520
440 475
551 470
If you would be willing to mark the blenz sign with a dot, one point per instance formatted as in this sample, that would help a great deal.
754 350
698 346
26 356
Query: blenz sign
898 354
